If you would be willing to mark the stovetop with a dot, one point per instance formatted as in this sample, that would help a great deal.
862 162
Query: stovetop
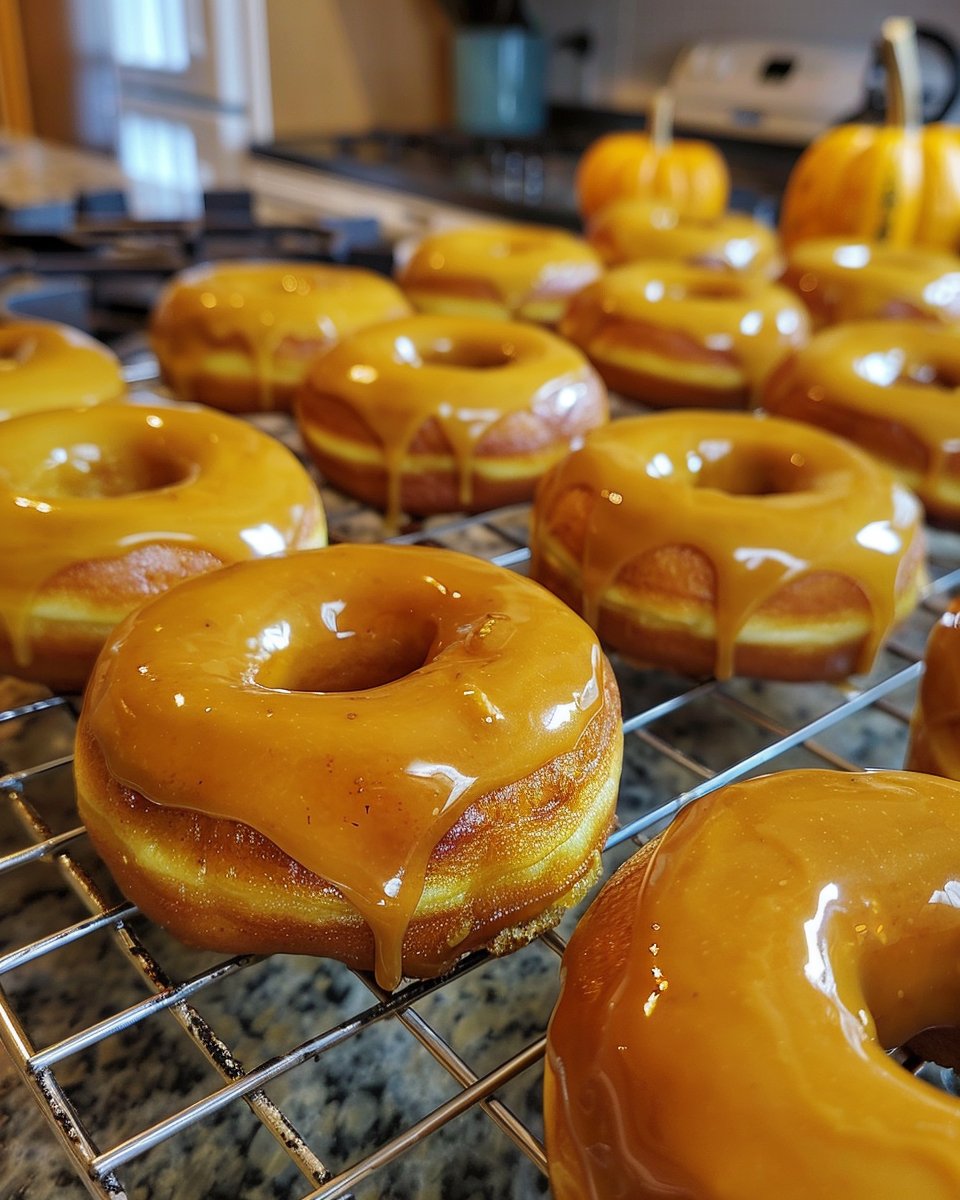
88 263
511 177
518 178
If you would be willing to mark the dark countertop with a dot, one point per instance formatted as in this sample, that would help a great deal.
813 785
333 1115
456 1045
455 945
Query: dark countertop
524 179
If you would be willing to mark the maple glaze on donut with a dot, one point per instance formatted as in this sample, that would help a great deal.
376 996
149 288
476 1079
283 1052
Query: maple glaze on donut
722 543
893 387
729 1000
935 727
239 336
501 271
444 414
670 334
102 507
44 365
853 281
389 755
635 230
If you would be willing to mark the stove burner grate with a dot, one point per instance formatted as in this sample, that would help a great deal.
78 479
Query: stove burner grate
90 264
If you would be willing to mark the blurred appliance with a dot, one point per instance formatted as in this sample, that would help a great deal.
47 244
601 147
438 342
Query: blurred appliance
787 92
772 91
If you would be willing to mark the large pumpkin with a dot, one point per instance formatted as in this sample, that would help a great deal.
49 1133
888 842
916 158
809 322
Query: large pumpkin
898 182
691 176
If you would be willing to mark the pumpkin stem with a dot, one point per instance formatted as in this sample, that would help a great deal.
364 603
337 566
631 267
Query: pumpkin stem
661 119
902 63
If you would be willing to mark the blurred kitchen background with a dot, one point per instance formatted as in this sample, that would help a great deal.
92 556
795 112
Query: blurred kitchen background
177 89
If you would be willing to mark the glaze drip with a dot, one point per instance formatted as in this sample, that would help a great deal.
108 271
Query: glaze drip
518 263
671 480
357 785
743 317
810 916
842 280
875 381
632 230
466 375
935 729
277 314
49 366
94 484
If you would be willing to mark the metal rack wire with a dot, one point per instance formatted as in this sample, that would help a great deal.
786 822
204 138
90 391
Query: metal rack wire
85 980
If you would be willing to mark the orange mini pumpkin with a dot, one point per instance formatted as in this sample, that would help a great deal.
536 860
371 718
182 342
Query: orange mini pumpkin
690 175
898 183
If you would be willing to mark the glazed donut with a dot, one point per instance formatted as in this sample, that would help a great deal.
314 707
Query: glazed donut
103 507
448 778
634 230
726 543
44 365
671 334
239 336
730 998
935 728
889 386
437 414
852 281
503 271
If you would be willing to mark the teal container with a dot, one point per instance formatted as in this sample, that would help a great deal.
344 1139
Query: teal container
500 81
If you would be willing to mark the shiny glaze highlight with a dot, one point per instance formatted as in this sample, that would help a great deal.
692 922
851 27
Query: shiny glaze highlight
269 311
729 999
44 365
935 728
351 704
92 485
634 230
466 375
893 387
766 501
715 334
498 270
840 280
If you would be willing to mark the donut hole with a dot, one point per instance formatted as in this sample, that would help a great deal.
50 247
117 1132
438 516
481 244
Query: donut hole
713 287
351 655
884 368
508 247
936 375
751 470
87 470
299 350
939 1046
16 353
914 998
470 353
882 436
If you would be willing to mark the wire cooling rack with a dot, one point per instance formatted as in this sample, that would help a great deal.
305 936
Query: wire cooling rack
170 1072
